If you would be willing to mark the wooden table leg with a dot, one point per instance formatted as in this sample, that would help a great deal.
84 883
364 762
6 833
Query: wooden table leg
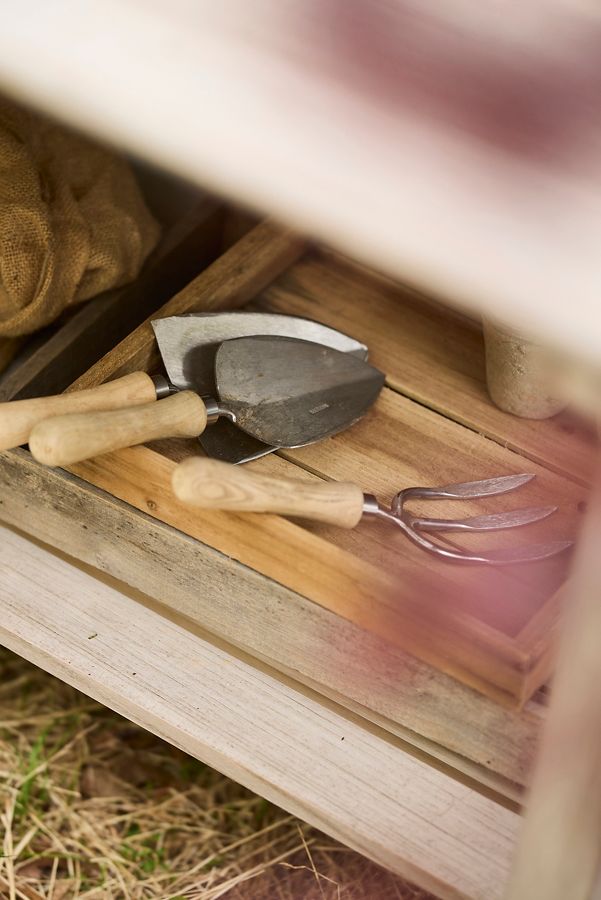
559 851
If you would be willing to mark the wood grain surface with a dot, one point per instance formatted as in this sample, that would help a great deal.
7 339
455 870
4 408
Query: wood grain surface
66 439
211 484
18 418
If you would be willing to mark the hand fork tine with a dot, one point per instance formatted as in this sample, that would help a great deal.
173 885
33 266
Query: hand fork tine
210 484
487 487
515 518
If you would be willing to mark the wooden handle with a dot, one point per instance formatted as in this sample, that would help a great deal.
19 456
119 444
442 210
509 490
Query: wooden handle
65 440
216 485
18 417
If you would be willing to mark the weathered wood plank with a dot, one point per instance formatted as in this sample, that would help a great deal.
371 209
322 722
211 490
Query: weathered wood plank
261 731
271 622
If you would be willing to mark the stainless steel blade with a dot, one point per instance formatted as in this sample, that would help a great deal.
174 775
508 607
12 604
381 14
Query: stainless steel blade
487 487
515 518
529 553
185 342
288 392
188 345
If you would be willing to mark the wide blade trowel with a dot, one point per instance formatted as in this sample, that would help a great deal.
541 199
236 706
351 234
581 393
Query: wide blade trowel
281 391
188 345
182 340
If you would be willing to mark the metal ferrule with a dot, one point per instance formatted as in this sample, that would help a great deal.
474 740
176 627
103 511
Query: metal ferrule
371 506
163 387
216 411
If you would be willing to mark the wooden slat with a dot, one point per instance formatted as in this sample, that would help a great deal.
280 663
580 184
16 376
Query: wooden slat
426 355
284 629
265 733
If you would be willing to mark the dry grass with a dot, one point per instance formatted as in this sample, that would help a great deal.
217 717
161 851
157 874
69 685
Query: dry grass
94 807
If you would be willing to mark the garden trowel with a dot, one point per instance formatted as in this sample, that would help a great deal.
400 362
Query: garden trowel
186 342
282 391
188 345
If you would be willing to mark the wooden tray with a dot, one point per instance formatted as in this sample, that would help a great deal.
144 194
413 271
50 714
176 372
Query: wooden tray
492 629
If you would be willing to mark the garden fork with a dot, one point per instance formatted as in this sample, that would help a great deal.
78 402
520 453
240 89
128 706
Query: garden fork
210 484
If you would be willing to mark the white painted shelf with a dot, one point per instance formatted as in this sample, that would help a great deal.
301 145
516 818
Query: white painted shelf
306 754
455 146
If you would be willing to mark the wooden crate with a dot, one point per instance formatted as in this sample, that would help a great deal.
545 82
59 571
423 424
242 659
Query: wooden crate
364 617
491 628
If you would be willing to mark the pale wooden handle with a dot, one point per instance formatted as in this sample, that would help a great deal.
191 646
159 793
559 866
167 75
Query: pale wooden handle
18 417
65 440
216 485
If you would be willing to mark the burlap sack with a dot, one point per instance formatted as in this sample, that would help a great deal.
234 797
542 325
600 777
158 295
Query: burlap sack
72 221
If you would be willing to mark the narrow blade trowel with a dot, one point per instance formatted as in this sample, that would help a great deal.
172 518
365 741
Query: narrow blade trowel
188 345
